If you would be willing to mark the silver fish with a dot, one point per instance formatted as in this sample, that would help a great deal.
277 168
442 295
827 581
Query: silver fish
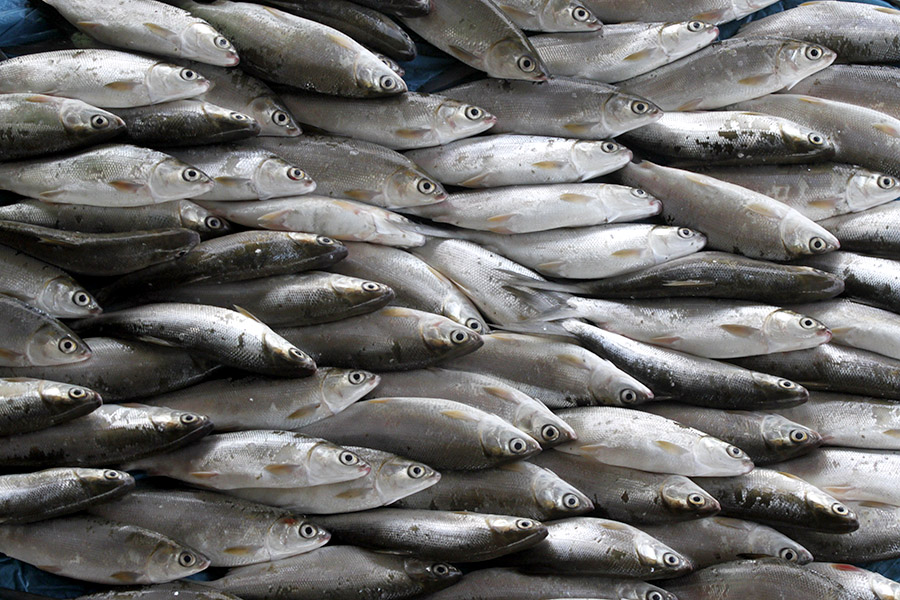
876 538
44 286
33 404
843 82
714 11
858 325
866 278
872 231
186 123
866 584
549 15
29 337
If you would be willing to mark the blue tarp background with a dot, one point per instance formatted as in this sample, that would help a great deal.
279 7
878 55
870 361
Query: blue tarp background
21 25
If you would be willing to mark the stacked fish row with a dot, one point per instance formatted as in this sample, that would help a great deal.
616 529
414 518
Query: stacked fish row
559 388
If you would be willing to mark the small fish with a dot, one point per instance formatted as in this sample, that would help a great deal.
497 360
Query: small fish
33 404
29 337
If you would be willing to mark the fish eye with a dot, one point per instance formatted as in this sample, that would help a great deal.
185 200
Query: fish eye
99 122
839 509
458 336
639 107
695 26
571 501
416 471
609 147
817 245
581 14
735 452
696 500
518 446
239 116
788 554
808 323
474 325
814 53
77 393
426 187
297 354
886 183
213 222
671 560
786 384
67 345
473 113
325 241
189 75
356 377
654 595
798 436
684 232
188 418
526 64
525 524
81 298
440 569
190 175
549 432
112 475
222 42
370 286
279 117
296 174
348 458
817 139
388 83
186 559
628 396
308 531
639 193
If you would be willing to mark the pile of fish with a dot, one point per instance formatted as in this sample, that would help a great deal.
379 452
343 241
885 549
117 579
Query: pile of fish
617 317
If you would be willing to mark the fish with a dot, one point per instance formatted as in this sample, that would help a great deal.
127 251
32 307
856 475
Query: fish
858 325
101 77
839 82
107 175
552 15
235 404
714 11
411 120
869 279
277 46
151 27
186 123
876 538
28 405
621 51
228 531
611 435
29 497
29 337
870 231
630 495
866 584
499 160
517 488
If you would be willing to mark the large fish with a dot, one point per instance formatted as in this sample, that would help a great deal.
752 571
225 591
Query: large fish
873 231
186 123
870 279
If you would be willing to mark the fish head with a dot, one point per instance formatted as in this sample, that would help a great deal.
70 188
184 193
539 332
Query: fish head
827 512
686 37
567 15
611 386
330 463
542 425
325 248
228 121
667 243
638 590
50 345
558 498
715 458
273 117
787 437
682 496
63 397
166 82
289 536
883 588
375 78
796 60
177 425
660 558
61 298
624 112
778 390
104 482
511 531
448 338
83 121
196 218
343 387
459 119
510 58
596 157
282 353
868 188
359 293
431 575
171 179
411 187
274 177
171 560
784 330
204 44
773 543
399 477
805 142
501 440
801 236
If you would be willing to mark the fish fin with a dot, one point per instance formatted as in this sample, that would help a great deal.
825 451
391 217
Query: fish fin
663 340
835 331
690 105
710 16
51 196
246 313
280 469
203 474
687 283
458 415
303 412
413 134
127 186
628 252
892 432
696 179
126 576
876 504
639 55
755 79
39 98
887 11
274 219
824 203
838 490
231 181
88 25
761 209
475 181
379 401
498 392
730 523
739 330
514 11
579 128
792 476
549 164
500 218
571 360
166 34
462 54
341 40
553 265
363 195
56 241
614 526
351 493
840 566
887 128
122 86
671 448
395 311
576 198
811 100
240 550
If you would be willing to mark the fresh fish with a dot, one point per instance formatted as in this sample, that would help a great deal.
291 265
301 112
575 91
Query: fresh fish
389 339
263 458
110 435
109 175
558 373
518 488
774 498
185 589
241 173
766 438
716 540
866 584
498 160
710 274
33 404
590 546
105 78
35 124
287 300
43 286
55 492
729 72
688 378
859 34
630 495
623 51
232 338
480 391
402 122
280 47
612 435
861 136
815 191
732 218
338 218
230 532
867 278
872 231
29 337
858 325
592 252
436 534
850 421
338 573
458 436
377 175
714 11
186 123
731 137
392 477
178 214
149 26
480 34
256 403
549 15
415 284
100 254
559 107
876 538
843 82
525 209
400 8
120 370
